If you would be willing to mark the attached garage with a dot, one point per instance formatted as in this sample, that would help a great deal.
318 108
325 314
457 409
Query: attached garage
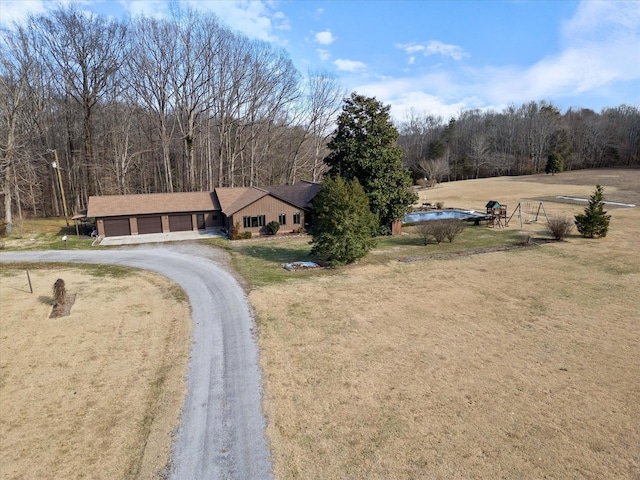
115 227
180 223
154 213
150 224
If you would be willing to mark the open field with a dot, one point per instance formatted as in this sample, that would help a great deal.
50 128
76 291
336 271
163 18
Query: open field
512 364
417 362
95 394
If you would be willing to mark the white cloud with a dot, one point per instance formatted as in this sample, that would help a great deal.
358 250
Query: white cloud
410 47
453 51
323 54
595 20
254 18
600 56
434 47
18 10
324 38
281 21
148 8
406 101
349 65
601 48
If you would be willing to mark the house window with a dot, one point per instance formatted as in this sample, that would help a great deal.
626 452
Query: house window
253 221
282 219
296 218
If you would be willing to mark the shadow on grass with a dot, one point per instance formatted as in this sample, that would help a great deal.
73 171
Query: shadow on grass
399 241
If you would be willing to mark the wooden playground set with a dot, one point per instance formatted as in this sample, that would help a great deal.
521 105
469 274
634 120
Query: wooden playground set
527 212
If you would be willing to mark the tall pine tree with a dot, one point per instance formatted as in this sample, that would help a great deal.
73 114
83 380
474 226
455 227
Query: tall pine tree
364 147
555 163
343 224
594 222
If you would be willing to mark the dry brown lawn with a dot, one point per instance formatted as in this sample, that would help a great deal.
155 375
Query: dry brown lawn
515 364
95 394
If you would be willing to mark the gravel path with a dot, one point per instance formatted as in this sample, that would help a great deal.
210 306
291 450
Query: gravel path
221 432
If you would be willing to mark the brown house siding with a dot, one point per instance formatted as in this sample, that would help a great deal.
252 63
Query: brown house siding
148 213
214 219
271 208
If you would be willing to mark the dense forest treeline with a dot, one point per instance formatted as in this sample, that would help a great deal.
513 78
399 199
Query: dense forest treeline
519 140
185 104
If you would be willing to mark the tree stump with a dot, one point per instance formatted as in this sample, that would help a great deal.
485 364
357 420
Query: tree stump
62 302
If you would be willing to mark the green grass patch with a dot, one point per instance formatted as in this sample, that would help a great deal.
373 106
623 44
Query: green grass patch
45 234
218 242
410 244
260 261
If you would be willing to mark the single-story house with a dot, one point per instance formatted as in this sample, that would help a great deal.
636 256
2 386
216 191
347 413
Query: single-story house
250 208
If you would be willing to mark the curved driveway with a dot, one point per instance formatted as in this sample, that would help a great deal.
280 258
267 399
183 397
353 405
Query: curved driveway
221 432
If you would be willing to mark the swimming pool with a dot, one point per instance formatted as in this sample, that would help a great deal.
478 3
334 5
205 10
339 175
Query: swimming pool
442 215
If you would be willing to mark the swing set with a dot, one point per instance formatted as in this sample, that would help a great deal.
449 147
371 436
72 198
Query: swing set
528 212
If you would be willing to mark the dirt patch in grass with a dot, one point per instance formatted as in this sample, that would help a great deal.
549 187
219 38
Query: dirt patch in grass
510 364
97 393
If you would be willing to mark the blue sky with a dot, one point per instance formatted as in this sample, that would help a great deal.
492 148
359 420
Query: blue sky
437 57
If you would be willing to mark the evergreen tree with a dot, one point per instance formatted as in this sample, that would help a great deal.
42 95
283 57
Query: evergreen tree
555 164
364 147
343 224
595 221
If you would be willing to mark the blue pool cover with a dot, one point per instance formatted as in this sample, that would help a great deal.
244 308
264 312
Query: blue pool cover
441 215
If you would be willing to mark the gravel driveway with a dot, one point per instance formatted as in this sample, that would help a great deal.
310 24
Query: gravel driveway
221 432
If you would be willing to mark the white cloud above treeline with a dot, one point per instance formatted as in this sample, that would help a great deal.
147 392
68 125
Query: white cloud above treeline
345 65
324 38
433 47
599 54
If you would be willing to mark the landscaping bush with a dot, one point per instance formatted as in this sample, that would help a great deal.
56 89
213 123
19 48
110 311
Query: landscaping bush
439 205
235 232
423 230
559 226
439 230
454 228
273 227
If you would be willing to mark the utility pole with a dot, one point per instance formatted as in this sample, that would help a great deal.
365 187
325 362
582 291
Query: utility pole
56 165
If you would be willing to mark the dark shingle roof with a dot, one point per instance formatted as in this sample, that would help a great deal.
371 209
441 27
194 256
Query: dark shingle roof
227 199
151 203
299 195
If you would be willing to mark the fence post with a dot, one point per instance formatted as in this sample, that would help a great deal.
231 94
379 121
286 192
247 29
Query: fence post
29 279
